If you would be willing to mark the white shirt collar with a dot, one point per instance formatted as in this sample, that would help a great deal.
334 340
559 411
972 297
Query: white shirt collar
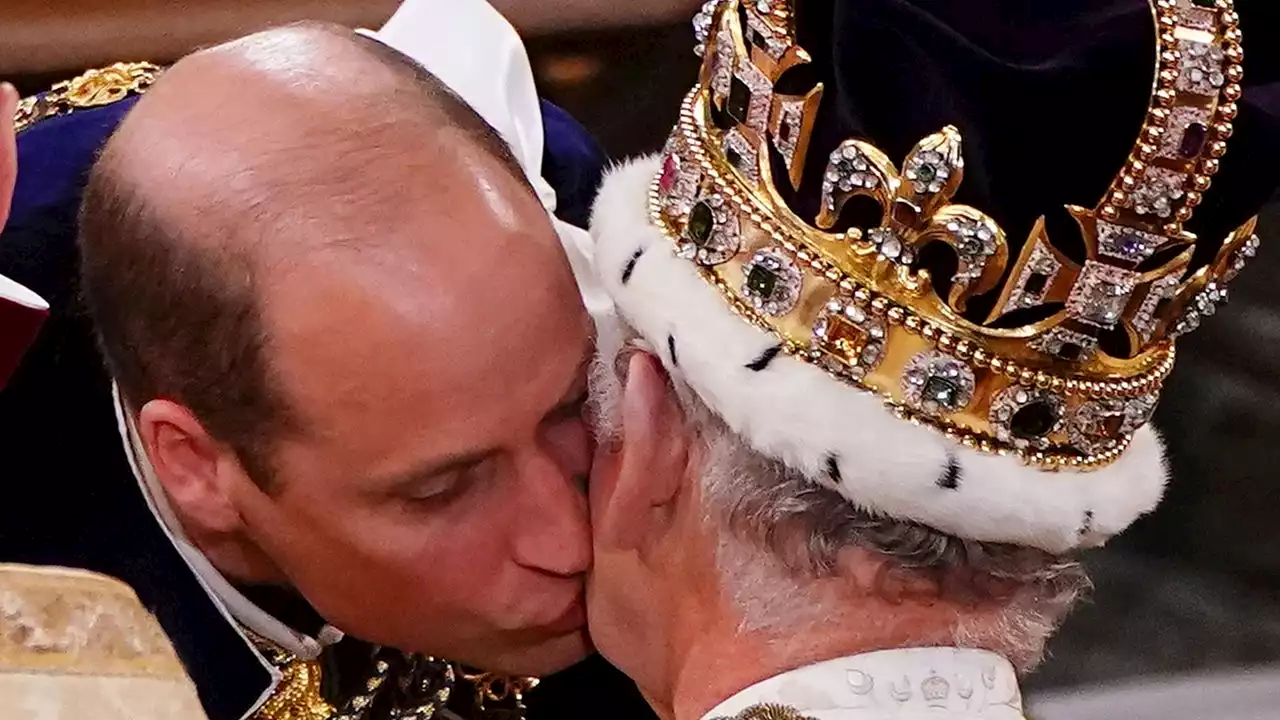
907 684
238 610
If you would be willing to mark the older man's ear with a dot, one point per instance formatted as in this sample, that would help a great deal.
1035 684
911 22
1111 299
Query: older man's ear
651 460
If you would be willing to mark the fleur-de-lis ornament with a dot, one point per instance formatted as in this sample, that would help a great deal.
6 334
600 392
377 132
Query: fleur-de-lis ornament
916 211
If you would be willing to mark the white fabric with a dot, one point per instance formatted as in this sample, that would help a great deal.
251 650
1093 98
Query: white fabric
12 291
470 47
908 684
797 413
60 696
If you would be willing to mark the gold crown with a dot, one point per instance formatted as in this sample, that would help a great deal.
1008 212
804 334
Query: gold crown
857 303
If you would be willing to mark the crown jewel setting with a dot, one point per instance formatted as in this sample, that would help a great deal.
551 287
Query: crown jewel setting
1068 362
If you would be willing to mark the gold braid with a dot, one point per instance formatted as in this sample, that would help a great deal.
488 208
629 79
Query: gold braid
94 88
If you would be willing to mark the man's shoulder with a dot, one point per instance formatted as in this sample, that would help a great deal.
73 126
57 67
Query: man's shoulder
572 162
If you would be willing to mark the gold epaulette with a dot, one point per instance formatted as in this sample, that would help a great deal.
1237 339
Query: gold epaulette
94 88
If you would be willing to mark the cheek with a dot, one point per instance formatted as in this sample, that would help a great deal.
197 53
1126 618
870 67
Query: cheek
622 607
336 554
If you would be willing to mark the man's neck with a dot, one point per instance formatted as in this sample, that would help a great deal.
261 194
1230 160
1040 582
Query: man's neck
724 659
238 560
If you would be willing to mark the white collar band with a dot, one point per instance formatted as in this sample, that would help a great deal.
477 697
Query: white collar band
906 684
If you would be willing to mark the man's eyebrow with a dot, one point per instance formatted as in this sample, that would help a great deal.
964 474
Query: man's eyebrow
434 468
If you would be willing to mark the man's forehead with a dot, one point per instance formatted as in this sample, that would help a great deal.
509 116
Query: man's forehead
271 89
296 61
421 341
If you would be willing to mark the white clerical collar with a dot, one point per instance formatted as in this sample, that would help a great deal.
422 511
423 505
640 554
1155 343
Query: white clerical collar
907 684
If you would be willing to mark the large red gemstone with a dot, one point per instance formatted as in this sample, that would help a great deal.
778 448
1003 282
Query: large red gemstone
670 173
1110 424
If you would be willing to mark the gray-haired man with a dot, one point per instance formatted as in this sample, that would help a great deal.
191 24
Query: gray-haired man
851 429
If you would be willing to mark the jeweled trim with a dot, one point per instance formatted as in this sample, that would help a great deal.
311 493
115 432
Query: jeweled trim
1012 401
903 328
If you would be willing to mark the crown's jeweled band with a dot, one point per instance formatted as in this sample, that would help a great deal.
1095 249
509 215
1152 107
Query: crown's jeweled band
832 320
1069 363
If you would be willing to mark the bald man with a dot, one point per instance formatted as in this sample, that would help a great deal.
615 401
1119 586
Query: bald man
349 362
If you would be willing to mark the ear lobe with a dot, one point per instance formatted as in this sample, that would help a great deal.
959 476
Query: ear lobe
191 466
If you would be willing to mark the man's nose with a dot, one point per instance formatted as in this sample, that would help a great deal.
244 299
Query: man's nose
554 533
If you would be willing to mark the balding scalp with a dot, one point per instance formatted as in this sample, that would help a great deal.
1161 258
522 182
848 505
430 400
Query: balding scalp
239 156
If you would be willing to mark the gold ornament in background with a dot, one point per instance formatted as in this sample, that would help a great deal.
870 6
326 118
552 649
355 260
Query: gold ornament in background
94 88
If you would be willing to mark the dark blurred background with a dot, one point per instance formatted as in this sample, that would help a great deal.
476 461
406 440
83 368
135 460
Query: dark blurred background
1193 589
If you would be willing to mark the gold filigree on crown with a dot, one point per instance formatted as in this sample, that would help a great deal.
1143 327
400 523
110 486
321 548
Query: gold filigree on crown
1069 362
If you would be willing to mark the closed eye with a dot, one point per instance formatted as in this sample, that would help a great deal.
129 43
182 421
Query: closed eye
446 484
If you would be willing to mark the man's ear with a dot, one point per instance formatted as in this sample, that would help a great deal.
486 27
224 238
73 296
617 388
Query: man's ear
193 468
653 455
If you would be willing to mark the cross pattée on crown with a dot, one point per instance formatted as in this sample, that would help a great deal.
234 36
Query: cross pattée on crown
744 64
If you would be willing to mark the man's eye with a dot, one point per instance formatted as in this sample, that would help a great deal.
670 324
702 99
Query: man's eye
449 486
440 489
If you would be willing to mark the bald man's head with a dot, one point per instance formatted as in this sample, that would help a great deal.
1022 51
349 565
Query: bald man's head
240 160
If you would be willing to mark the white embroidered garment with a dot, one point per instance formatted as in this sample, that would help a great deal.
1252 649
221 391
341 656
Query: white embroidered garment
76 645
909 684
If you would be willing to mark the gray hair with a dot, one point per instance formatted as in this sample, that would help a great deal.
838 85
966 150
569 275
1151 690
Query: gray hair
781 530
